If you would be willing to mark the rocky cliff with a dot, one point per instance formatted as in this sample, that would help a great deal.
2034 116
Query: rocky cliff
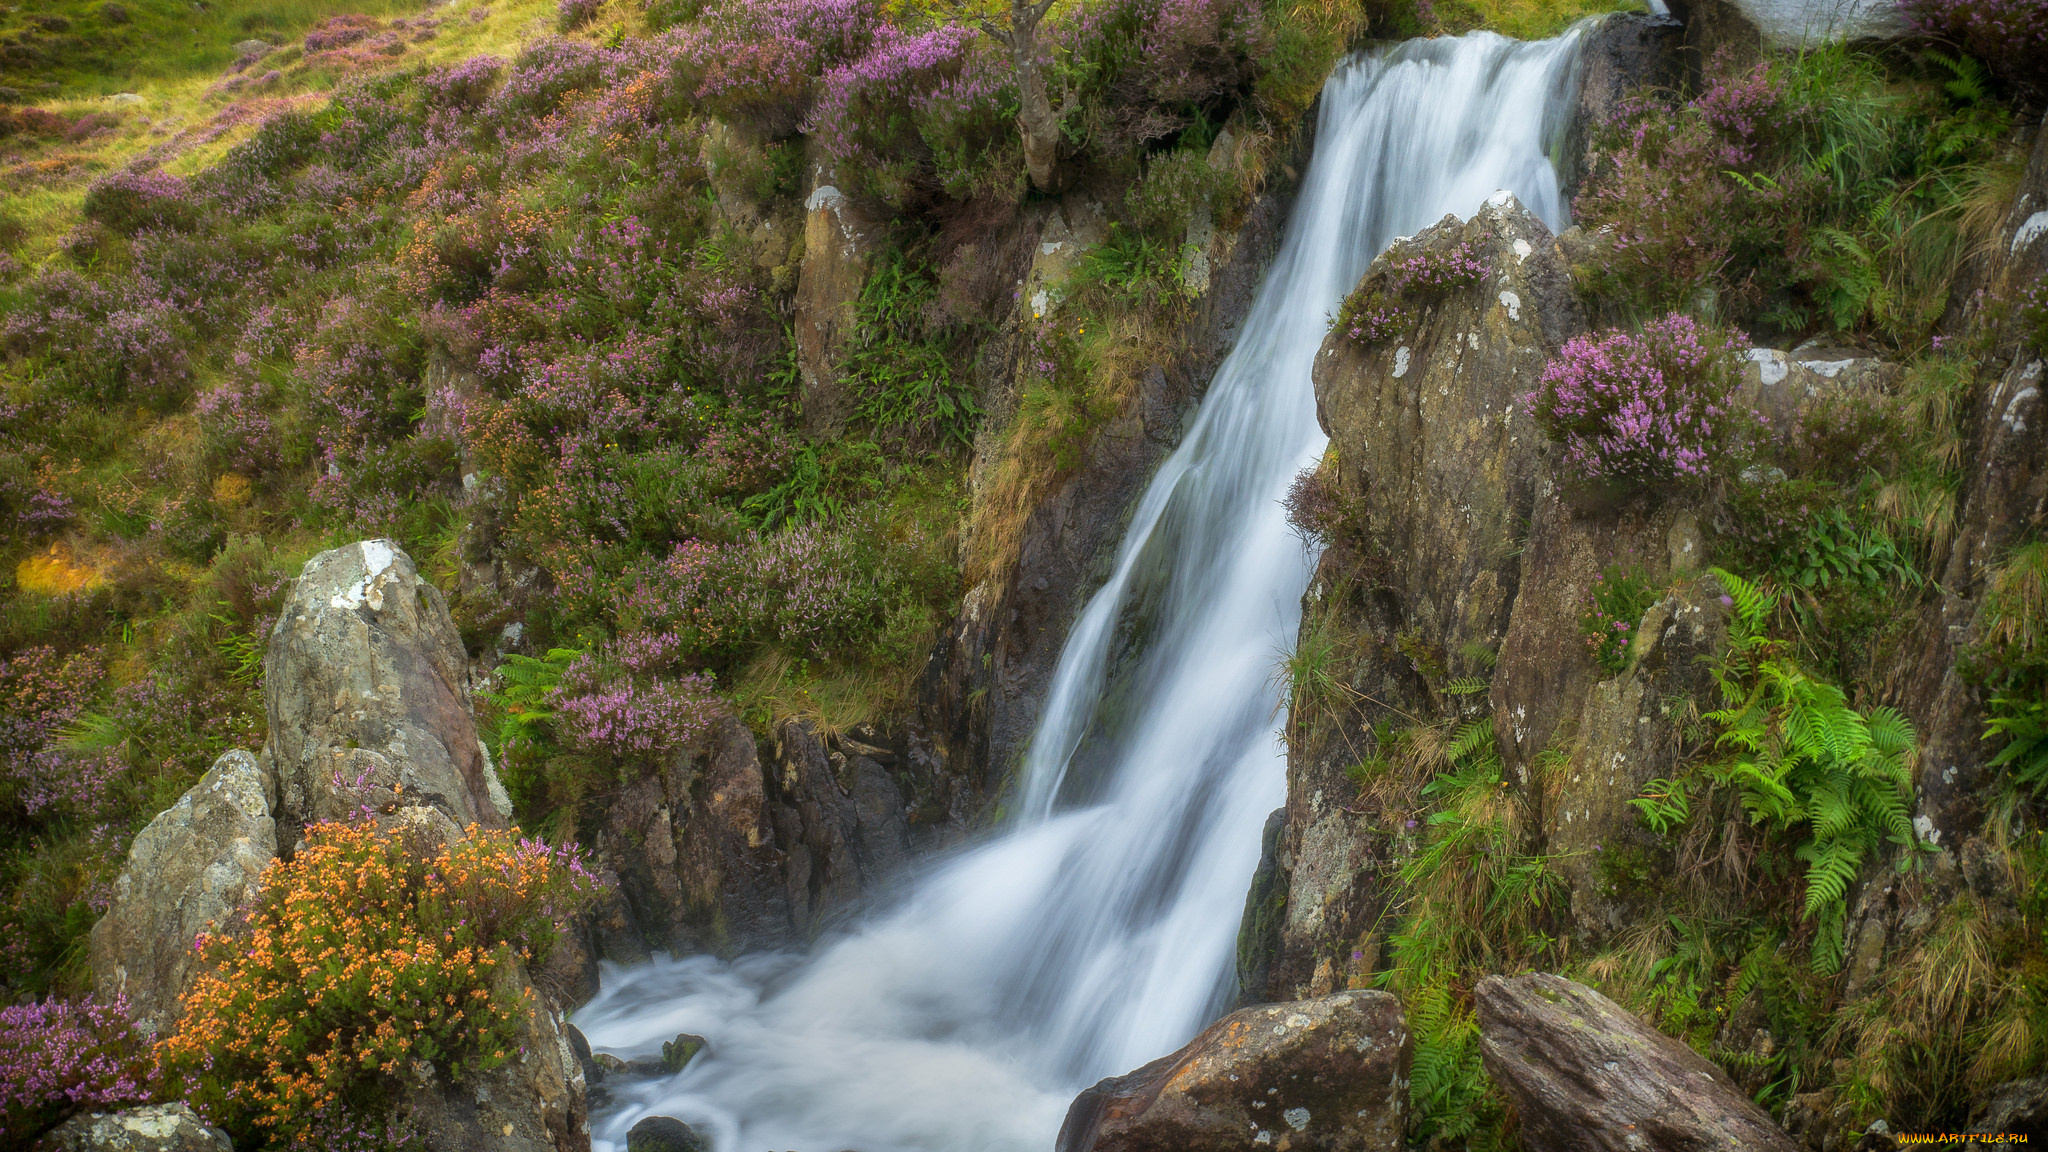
1444 624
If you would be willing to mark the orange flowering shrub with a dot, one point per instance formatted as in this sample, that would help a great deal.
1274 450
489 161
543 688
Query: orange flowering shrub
366 956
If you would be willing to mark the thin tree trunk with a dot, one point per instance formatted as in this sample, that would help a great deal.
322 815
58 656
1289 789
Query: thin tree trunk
1037 123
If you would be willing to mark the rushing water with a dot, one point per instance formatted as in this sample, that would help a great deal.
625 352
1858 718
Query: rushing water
1097 930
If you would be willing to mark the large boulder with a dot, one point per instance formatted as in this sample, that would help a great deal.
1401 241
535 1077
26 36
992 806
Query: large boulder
189 872
157 1128
1586 1075
1309 1076
367 686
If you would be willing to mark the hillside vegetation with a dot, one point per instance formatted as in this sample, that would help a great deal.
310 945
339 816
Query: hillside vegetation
513 283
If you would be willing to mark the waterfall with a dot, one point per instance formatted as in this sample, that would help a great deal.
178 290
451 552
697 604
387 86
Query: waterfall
1097 930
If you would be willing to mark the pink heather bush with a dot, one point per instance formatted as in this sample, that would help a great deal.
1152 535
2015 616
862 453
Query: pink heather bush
339 32
573 14
128 202
59 1057
932 100
1640 407
1198 50
1381 308
41 694
464 85
2009 35
757 61
1674 220
622 715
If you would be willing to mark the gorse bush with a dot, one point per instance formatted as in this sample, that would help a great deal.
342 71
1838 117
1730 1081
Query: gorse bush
1640 407
365 955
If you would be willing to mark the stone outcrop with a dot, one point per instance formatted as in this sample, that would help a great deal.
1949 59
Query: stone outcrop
1624 54
664 1134
367 688
1442 468
190 871
694 850
1328 1074
2004 498
725 850
534 1102
1585 1075
1003 646
838 253
1627 734
157 1128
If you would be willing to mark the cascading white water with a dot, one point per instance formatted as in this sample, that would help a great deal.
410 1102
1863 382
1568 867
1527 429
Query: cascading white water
1096 931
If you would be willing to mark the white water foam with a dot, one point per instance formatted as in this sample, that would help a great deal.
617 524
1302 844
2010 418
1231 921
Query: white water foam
1096 931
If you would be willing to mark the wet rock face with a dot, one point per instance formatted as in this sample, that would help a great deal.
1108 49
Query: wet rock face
1006 642
366 683
1585 1075
1626 53
1443 465
190 871
726 850
158 1128
2004 499
1627 735
1325 1074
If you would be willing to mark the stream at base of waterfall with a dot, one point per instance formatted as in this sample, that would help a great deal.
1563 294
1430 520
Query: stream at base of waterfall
1095 930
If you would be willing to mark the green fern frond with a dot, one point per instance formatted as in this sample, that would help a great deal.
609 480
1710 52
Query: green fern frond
1470 737
1752 603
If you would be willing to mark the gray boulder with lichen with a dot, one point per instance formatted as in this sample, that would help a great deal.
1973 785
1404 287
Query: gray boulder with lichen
367 687
1325 1075
1586 1075
190 871
157 1128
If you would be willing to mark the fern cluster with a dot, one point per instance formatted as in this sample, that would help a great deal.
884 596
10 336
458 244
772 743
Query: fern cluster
1476 904
1805 762
2012 663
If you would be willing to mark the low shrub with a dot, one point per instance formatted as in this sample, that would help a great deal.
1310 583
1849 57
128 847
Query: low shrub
1613 609
128 202
915 115
757 62
2009 35
367 954
1640 407
1826 191
573 14
61 1056
1384 306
